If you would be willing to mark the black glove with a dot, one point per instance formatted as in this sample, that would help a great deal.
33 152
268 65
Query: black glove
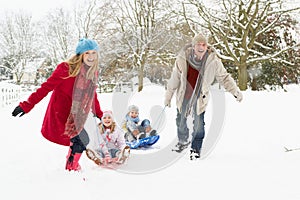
17 111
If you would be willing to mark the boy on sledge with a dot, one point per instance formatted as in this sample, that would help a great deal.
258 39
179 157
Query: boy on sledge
134 130
113 148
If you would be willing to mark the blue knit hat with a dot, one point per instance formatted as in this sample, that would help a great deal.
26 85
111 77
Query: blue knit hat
86 45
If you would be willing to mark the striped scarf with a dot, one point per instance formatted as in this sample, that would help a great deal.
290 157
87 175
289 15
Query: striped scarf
198 87
82 101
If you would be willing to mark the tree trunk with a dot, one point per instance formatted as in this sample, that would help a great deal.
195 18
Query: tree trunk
254 84
140 78
243 77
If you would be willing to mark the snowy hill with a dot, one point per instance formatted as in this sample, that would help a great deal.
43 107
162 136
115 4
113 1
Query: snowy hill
243 159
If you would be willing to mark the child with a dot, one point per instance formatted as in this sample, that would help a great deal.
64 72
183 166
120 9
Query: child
133 130
112 143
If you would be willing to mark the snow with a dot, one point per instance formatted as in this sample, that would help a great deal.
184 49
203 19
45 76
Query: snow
245 159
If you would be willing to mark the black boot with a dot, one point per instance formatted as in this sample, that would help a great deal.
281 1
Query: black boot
179 147
194 154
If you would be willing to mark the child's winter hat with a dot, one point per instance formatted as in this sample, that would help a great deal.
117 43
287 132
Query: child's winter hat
133 108
107 113
199 38
85 44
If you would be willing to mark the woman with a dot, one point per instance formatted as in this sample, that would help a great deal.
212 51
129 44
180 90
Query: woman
73 86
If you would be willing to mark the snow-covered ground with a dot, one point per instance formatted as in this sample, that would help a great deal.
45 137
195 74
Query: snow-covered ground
244 155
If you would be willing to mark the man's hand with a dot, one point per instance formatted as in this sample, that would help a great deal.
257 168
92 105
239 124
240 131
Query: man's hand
168 102
239 96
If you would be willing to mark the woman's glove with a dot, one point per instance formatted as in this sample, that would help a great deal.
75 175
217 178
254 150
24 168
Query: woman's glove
17 111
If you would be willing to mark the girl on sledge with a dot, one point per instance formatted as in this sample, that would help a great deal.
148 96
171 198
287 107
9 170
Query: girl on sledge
112 146
73 100
134 130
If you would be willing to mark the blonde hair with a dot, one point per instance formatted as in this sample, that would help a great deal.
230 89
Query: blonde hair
112 127
75 63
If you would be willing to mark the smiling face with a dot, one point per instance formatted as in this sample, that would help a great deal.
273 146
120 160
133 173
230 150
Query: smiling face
90 57
107 120
133 114
200 49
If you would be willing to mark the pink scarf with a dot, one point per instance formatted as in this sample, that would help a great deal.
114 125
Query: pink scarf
82 101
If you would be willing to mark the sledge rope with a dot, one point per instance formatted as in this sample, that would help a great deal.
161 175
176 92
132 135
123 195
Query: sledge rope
158 120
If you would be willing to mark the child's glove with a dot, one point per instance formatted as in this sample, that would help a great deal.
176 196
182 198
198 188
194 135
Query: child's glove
107 159
135 132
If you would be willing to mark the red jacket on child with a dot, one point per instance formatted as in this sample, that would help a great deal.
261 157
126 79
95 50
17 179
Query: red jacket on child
59 106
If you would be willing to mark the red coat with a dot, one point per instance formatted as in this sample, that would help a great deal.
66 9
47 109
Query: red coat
59 105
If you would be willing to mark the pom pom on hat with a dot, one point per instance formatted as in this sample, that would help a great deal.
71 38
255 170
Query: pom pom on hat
199 38
85 44
107 113
133 108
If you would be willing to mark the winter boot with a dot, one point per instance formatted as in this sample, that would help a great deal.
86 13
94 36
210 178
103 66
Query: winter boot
123 156
72 161
194 154
153 132
180 146
141 135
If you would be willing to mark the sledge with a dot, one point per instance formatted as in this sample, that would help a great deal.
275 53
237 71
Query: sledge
144 142
115 162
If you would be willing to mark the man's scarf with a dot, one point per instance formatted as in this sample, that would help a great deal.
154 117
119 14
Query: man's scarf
198 87
82 101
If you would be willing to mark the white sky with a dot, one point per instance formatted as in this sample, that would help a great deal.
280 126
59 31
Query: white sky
36 8
39 8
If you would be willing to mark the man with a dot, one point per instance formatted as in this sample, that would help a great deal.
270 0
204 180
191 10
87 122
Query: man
195 69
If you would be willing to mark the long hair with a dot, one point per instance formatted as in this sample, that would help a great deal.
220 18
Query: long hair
112 127
75 62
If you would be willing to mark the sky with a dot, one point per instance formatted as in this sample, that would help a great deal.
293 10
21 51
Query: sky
246 161
37 8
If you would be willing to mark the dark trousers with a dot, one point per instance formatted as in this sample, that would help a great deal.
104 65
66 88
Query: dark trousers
79 142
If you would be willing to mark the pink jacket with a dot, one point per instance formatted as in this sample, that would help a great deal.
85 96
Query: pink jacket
112 140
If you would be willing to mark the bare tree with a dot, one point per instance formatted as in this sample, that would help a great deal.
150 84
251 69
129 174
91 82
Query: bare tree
92 18
235 27
58 35
142 24
17 41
